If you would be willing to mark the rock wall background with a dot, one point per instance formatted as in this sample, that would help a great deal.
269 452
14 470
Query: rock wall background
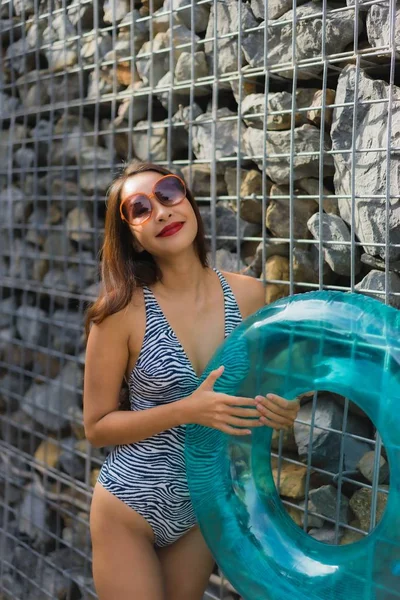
294 161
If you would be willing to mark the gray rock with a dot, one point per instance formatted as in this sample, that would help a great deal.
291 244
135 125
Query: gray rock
183 70
8 105
366 467
278 102
225 135
7 310
338 28
379 264
337 255
61 52
33 515
48 404
77 223
21 260
134 107
278 214
226 226
115 10
306 140
226 261
326 445
12 387
95 46
201 13
199 178
151 147
371 167
324 501
327 535
24 8
57 245
14 206
96 172
69 461
83 15
18 58
24 158
373 285
362 4
31 324
68 149
66 328
311 187
227 19
149 55
378 27
275 8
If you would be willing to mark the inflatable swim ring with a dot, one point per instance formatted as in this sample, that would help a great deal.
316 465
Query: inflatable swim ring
341 342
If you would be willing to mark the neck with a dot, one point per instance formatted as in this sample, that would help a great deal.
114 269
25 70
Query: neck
183 274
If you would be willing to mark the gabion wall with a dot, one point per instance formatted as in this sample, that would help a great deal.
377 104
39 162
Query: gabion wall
284 119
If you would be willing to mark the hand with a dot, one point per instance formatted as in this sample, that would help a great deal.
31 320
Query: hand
276 412
230 414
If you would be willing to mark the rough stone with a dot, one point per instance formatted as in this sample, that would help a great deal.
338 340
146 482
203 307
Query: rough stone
278 168
31 324
276 268
367 464
337 255
226 221
338 27
311 187
199 179
278 214
371 167
275 8
378 28
373 284
48 403
225 135
201 13
227 19
326 445
361 502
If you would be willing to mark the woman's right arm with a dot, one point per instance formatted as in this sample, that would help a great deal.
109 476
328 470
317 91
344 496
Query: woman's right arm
107 355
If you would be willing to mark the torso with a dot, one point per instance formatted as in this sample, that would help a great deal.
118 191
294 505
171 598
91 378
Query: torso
189 321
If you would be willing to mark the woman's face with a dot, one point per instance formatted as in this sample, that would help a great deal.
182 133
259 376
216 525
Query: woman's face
148 234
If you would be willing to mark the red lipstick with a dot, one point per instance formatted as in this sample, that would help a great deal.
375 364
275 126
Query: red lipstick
170 229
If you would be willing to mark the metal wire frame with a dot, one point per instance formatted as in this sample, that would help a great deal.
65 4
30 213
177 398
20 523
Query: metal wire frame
65 496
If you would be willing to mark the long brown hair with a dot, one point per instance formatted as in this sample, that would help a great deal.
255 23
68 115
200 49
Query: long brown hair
123 269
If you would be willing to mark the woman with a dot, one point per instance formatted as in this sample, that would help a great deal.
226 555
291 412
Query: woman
160 316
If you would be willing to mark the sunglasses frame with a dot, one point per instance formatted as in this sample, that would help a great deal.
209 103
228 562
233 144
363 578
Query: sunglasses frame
150 196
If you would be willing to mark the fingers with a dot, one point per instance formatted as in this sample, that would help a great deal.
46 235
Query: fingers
282 403
244 412
233 431
208 383
275 411
246 423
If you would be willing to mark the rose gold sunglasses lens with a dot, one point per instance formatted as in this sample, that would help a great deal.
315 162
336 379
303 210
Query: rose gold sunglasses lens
170 190
137 209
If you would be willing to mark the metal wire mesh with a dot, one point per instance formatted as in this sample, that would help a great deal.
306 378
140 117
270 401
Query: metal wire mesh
283 117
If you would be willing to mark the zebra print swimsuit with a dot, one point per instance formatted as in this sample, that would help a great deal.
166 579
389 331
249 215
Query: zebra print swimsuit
149 475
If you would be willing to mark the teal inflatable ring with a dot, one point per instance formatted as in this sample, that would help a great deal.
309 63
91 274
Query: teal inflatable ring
341 342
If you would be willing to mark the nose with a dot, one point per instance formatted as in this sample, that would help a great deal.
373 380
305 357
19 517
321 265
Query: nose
161 212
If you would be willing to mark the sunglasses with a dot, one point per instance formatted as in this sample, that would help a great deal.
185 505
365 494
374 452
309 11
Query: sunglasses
170 190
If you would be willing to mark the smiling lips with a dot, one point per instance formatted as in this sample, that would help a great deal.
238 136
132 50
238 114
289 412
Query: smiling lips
170 229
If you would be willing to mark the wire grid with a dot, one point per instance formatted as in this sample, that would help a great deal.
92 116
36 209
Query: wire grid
81 96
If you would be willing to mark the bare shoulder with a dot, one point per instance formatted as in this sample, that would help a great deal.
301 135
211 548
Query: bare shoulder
249 292
123 325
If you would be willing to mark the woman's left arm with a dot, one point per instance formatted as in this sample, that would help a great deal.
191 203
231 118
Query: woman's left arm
275 411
